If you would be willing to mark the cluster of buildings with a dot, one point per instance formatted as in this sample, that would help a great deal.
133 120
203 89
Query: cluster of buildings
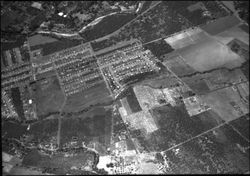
7 107
119 64
16 68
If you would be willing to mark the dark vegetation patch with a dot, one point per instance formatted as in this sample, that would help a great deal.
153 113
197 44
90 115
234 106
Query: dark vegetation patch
18 104
132 101
217 152
108 25
176 126
242 125
57 46
159 48
97 128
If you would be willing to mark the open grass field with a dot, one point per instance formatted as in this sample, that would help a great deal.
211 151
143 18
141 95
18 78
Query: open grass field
44 130
40 40
221 25
47 96
176 126
163 81
218 78
197 84
233 33
52 47
57 164
216 152
220 101
88 129
210 54
178 65
98 94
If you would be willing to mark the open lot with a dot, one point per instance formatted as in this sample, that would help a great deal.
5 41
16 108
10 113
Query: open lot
97 94
216 152
48 96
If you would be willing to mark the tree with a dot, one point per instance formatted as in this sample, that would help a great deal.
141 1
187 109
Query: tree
242 8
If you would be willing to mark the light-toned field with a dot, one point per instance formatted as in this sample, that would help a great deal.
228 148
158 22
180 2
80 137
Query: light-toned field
210 54
185 38
220 100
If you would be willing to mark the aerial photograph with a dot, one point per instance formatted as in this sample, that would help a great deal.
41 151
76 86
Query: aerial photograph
125 87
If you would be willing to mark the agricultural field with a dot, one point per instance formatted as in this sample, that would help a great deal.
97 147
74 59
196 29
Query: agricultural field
227 102
209 55
233 33
216 152
176 126
177 64
196 83
90 129
48 96
96 95
221 25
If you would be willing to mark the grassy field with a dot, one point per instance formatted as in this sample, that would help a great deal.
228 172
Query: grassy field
96 128
197 84
44 130
49 48
40 40
57 164
215 152
177 65
221 25
48 97
98 94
